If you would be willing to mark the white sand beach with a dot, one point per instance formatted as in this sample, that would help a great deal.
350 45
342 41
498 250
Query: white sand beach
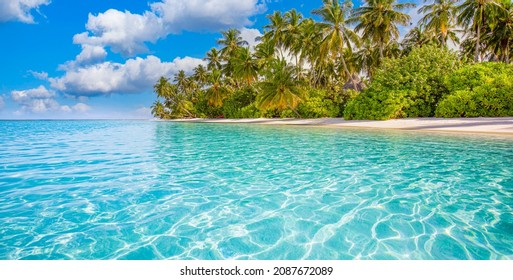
499 126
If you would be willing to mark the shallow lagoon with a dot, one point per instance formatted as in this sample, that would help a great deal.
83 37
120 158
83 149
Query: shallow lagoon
159 190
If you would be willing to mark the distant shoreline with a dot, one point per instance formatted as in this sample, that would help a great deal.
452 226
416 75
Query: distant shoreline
494 126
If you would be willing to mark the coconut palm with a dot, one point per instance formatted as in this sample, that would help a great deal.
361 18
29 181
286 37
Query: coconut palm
499 37
474 14
378 20
200 75
264 52
175 101
292 31
230 42
336 34
214 59
158 110
440 19
280 89
217 91
182 82
245 66
162 88
275 31
307 46
416 37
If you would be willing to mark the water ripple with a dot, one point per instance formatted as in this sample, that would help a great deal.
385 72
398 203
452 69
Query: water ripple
153 190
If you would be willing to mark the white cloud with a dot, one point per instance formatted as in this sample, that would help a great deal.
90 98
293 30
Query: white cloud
134 76
42 100
36 100
209 15
250 36
19 10
88 56
39 75
124 32
143 112
127 33
40 92
2 103
91 54
81 107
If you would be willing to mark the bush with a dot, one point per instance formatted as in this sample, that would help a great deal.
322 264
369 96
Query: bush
239 104
409 86
319 105
479 90
203 110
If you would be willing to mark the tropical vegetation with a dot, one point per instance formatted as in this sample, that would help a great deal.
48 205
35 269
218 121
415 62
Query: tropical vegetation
352 62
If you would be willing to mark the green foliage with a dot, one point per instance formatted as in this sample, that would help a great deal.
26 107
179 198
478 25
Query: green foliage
407 79
240 104
409 86
479 90
319 105
203 109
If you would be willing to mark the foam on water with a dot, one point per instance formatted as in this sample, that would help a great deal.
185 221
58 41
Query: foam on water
155 190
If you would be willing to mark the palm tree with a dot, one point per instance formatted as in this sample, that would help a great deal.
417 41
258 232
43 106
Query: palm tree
174 100
440 19
214 59
217 90
280 89
474 13
367 58
230 42
182 81
336 35
292 30
307 45
378 21
245 66
416 37
275 31
162 88
200 75
499 37
158 110
264 52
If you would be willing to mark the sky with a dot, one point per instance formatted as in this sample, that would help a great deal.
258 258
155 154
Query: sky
98 59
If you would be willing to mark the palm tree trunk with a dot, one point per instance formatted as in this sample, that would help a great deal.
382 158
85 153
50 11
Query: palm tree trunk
506 53
348 73
478 42
294 110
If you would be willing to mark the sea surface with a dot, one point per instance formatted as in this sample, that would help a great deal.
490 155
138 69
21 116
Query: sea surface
162 190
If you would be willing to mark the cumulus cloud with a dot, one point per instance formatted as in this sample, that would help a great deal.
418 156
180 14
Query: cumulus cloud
123 32
209 15
134 76
88 56
41 100
36 100
19 10
250 36
128 33
39 75
82 108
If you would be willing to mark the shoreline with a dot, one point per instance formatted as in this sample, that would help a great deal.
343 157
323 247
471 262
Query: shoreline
488 126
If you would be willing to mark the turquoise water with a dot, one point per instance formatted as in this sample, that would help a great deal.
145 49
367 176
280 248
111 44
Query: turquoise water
155 190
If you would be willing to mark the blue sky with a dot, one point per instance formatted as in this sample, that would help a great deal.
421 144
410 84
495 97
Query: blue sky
100 58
